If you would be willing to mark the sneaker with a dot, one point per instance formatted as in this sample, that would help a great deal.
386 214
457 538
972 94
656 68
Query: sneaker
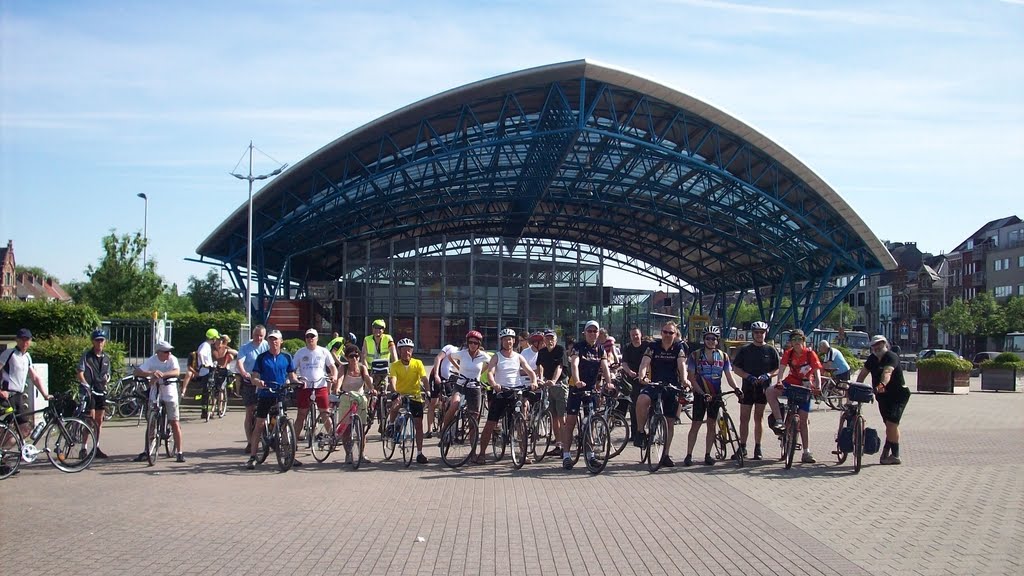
365 460
296 463
593 462
179 457
708 460
554 451
757 452
348 458
140 458
567 463
640 440
203 414
251 463
428 434
667 462
776 425
5 470
100 453
421 459
890 460
688 461
807 458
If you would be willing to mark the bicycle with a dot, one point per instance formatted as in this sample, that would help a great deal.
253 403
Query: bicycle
158 428
850 436
833 393
220 391
64 438
591 435
726 437
653 449
349 425
401 433
541 433
460 436
206 396
790 437
379 370
512 429
615 408
278 431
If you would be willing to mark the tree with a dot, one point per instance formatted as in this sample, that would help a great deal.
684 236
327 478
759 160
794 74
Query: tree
989 318
747 312
208 295
956 319
119 284
1014 311
171 302
842 315
35 271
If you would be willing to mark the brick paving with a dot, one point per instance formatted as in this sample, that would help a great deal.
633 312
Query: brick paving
956 506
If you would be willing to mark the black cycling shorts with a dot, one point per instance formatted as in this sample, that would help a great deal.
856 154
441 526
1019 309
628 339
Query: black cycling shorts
498 404
701 410
754 393
263 406
435 389
669 399
472 398
892 403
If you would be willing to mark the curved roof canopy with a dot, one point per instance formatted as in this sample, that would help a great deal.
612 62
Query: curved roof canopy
577 152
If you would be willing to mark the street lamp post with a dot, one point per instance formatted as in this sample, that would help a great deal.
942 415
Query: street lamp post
248 253
145 227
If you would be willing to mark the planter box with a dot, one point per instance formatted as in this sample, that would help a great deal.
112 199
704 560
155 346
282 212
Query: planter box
939 380
996 379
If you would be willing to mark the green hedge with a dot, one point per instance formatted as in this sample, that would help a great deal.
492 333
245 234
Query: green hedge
190 328
1004 360
946 361
292 345
47 319
62 353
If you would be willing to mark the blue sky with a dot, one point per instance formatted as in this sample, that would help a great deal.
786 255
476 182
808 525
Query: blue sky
912 111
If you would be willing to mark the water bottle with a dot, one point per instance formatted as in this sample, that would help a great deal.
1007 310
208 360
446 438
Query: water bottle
37 431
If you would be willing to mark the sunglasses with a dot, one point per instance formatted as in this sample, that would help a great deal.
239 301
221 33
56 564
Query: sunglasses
668 332
477 342
308 336
711 337
591 331
352 356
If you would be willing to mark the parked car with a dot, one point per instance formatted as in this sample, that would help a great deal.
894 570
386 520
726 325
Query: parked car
930 352
979 358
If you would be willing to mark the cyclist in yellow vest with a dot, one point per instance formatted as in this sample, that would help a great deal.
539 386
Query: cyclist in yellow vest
379 351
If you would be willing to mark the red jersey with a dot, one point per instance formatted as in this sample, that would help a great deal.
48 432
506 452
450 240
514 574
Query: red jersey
800 365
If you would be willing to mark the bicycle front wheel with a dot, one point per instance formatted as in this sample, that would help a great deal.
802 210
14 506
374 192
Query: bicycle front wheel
323 439
840 453
458 441
152 438
598 444
721 438
72 448
388 441
618 431
657 431
356 432
519 441
265 441
734 441
540 442
10 451
408 440
286 445
858 443
792 432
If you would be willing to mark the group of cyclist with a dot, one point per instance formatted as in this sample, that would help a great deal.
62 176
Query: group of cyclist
656 372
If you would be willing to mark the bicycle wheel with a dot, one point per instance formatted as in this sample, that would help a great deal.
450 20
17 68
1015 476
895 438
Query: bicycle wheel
858 443
371 410
519 441
597 442
72 448
541 439
108 410
323 439
657 430
356 432
166 437
792 431
619 434
286 445
834 395
10 451
840 454
152 438
721 438
499 442
266 440
208 404
734 441
458 441
309 426
408 440
388 441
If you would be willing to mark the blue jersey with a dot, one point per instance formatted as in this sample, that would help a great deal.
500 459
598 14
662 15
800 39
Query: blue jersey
590 361
664 362
709 367
273 369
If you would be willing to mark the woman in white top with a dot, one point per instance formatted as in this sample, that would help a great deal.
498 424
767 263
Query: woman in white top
503 372
469 363
357 382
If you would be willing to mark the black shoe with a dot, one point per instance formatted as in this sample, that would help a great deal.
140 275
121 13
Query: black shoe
708 460
428 434
421 459
204 414
5 470
567 463
251 463
554 451
100 453
688 461
640 440
757 452
667 462
140 458
179 457
594 462
296 463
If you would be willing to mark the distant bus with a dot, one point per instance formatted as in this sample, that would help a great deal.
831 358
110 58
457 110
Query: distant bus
858 342
1014 343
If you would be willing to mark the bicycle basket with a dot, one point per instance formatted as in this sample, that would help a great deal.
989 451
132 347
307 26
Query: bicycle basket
872 442
797 395
845 440
859 393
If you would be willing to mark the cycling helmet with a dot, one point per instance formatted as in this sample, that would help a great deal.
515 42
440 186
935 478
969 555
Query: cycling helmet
507 333
379 323
759 326
405 343
474 334
797 334
212 334
536 337
712 331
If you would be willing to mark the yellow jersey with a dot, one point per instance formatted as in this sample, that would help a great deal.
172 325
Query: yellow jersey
408 378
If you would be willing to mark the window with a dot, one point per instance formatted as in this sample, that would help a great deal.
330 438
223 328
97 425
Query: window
1002 264
970 244
1020 261
999 265
1020 289
1003 291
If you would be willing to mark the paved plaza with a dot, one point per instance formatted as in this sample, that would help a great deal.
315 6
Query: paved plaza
956 506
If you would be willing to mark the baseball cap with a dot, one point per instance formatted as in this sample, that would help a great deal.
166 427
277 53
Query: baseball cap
274 334
99 335
592 324
24 333
312 332
549 332
877 339
212 334
163 346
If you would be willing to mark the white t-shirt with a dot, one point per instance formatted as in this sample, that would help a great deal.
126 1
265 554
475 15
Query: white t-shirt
205 354
16 373
506 372
471 367
445 368
312 365
152 364
531 359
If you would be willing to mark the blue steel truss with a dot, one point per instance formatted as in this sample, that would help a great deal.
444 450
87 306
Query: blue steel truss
571 159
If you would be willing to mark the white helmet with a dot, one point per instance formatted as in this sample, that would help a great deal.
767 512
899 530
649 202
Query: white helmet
405 343
506 332
712 330
759 326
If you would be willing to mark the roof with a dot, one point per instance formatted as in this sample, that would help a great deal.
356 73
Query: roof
988 227
577 152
